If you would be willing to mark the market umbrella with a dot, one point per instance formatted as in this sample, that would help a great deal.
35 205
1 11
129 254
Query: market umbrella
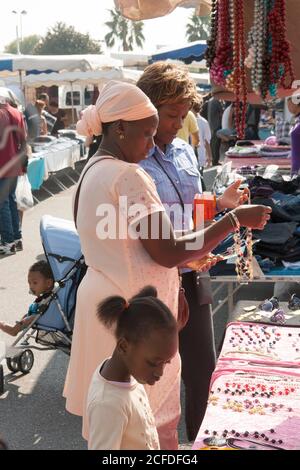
145 9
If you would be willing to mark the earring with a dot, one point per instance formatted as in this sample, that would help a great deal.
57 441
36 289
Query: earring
121 135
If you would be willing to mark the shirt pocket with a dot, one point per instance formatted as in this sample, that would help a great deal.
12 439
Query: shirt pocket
190 182
165 188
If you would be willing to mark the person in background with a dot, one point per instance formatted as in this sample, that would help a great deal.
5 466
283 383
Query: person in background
50 119
45 97
32 119
204 107
294 108
214 118
252 122
43 128
60 117
146 341
41 283
11 144
189 131
204 155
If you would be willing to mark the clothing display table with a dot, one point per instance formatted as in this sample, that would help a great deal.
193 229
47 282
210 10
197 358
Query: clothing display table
36 172
258 155
59 156
284 163
51 159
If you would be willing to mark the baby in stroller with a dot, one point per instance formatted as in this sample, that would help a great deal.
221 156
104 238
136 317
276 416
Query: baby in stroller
41 283
48 325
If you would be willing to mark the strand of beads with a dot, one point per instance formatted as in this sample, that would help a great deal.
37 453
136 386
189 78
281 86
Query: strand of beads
239 55
212 41
257 41
281 64
230 79
244 261
222 63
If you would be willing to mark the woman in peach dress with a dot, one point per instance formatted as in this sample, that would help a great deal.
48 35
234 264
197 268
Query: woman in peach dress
117 212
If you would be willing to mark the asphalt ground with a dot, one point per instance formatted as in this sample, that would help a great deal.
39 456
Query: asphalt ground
32 409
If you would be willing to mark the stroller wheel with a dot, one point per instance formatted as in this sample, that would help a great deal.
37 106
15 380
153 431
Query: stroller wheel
1 380
25 361
12 364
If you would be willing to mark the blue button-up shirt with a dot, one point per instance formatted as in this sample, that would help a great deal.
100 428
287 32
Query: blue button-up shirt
180 163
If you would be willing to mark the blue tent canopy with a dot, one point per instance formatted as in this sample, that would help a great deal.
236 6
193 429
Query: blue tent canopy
193 52
6 64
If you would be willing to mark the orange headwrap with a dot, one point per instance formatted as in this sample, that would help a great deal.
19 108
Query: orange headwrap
117 100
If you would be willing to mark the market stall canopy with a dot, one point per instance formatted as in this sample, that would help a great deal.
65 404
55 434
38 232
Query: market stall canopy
89 77
293 35
191 52
146 9
56 63
132 59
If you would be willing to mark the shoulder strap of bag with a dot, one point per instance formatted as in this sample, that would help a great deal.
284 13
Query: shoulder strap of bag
76 200
173 184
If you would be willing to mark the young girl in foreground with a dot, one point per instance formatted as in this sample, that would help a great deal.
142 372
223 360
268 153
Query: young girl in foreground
119 414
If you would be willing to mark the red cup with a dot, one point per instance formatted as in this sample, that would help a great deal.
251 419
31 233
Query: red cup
204 208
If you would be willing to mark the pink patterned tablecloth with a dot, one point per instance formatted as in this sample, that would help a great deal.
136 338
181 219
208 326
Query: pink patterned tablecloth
254 400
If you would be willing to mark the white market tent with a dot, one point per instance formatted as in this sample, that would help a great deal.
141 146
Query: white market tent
92 77
45 69
89 77
56 63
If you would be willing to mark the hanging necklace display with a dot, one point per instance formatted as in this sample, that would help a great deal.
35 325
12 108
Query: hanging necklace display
221 63
268 57
226 54
269 54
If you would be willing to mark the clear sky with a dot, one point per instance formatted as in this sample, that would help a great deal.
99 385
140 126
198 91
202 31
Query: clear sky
87 17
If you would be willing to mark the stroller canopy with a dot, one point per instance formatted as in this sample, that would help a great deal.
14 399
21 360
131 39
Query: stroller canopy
61 244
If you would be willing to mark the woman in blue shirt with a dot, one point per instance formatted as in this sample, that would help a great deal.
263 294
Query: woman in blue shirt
173 166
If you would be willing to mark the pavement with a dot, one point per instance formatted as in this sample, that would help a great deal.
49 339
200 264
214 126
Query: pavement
32 408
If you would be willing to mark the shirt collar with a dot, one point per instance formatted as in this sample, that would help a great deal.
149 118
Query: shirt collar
168 155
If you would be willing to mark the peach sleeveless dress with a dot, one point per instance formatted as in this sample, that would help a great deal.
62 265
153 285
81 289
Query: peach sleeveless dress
118 266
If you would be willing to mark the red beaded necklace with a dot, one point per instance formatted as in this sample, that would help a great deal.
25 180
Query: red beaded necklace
239 72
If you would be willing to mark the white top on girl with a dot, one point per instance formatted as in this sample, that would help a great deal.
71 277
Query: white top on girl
119 416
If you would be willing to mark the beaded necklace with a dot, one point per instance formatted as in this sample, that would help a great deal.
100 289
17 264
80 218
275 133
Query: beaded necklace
244 260
269 54
221 64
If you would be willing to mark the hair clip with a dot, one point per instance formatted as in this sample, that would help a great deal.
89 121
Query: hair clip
269 304
294 303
